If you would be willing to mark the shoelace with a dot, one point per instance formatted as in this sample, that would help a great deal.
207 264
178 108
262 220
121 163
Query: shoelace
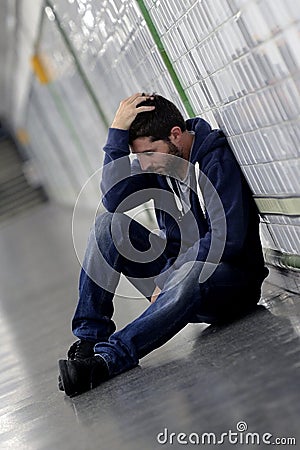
80 350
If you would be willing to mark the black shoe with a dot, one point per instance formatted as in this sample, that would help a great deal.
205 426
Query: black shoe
78 376
79 350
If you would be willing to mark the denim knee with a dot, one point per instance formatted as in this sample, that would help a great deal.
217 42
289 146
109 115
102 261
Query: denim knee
102 227
185 279
185 275
112 227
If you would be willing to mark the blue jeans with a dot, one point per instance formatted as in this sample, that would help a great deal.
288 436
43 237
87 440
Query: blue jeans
229 292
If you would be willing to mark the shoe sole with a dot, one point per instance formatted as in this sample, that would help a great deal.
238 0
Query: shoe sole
65 379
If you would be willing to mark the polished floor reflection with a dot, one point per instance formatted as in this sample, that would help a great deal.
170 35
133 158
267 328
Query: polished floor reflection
205 380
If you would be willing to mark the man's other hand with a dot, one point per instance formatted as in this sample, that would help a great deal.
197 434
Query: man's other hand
155 294
128 110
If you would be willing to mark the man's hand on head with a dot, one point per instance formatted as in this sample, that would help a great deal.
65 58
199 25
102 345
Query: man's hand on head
129 109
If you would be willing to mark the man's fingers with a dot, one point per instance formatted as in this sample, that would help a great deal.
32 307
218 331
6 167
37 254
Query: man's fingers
137 98
128 109
134 97
144 108
155 294
141 99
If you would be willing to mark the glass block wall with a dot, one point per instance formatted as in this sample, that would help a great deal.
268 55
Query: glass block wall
236 63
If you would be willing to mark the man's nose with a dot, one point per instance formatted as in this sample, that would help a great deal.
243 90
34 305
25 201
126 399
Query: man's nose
145 163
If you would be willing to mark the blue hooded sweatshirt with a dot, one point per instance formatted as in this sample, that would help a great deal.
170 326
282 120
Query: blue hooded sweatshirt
230 219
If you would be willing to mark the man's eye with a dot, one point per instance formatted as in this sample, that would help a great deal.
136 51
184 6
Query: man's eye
143 154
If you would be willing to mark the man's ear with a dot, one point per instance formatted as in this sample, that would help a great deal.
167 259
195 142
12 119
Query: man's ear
175 134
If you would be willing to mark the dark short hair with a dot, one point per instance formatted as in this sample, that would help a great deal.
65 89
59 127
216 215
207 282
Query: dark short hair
158 123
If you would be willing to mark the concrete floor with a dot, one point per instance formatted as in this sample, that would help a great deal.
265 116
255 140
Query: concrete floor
206 379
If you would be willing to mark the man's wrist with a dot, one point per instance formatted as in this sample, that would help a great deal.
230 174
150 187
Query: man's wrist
119 126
